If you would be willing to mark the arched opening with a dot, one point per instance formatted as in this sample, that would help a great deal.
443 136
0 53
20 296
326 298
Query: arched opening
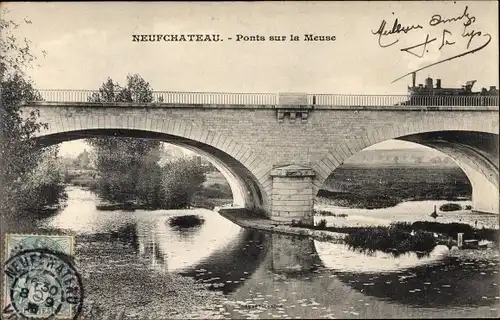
469 157
246 189
476 153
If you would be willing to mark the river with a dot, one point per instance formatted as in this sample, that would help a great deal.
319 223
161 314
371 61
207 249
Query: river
136 264
409 211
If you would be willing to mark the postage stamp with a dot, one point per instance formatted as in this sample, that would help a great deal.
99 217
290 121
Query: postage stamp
40 280
15 243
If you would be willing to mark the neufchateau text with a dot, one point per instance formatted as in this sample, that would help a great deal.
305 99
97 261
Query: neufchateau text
193 37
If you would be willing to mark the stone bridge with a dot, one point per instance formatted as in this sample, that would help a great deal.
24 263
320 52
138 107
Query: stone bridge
277 151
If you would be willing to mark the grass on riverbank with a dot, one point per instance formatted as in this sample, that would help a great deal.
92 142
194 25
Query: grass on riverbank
209 203
325 213
391 240
450 230
212 195
402 237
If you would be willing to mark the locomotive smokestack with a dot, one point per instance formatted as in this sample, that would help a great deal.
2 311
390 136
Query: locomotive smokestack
428 83
438 83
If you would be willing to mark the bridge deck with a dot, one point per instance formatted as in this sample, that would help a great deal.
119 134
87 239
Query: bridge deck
267 106
265 99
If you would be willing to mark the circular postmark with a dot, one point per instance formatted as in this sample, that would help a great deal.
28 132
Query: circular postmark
43 284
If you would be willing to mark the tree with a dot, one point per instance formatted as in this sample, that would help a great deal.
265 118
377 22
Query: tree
126 165
19 157
180 180
82 161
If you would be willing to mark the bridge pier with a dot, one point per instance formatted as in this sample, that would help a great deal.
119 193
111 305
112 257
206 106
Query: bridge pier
292 254
292 195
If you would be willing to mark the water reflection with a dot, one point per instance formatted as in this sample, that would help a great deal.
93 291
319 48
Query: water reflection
451 283
228 268
409 211
436 281
282 275
361 262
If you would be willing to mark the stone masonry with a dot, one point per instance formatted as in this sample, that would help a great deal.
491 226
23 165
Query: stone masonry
251 142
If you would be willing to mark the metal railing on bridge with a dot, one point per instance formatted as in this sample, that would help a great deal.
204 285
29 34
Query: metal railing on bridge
344 100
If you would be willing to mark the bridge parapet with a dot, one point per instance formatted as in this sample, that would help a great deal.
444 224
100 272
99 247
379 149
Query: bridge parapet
252 99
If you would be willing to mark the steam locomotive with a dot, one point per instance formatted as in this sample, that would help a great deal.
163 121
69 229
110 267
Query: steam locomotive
429 94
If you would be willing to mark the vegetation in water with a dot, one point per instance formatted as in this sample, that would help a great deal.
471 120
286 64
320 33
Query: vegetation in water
401 237
390 239
187 221
450 207
453 229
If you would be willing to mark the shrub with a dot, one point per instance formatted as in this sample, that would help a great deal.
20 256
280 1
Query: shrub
321 224
181 179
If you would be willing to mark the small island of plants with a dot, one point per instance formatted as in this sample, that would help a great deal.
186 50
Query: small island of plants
187 221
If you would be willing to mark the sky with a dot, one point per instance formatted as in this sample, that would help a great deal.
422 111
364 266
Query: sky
87 42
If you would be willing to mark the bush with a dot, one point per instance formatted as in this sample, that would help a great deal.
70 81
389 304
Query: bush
297 223
321 224
450 207
468 207
181 179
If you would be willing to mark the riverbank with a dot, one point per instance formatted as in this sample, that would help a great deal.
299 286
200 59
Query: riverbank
247 219
397 239
169 296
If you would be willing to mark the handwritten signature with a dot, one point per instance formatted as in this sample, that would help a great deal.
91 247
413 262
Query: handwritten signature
389 37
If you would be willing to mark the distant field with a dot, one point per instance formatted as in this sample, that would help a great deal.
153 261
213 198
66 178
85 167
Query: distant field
215 177
408 180
381 186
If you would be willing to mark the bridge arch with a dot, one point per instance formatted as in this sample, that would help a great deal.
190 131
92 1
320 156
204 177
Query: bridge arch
472 145
245 170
